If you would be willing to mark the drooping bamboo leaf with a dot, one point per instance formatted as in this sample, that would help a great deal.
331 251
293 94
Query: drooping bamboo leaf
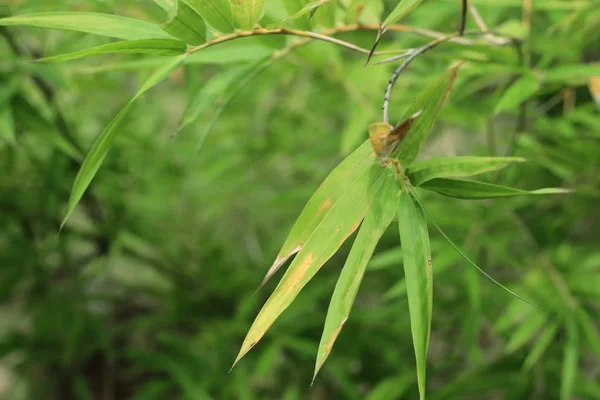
102 145
517 93
184 23
7 125
306 9
463 255
403 8
378 218
247 13
474 190
570 359
590 331
414 239
156 47
541 345
96 23
246 76
217 13
429 101
319 206
345 217
447 167
526 330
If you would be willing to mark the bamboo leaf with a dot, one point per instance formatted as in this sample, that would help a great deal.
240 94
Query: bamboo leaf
590 331
447 167
306 9
474 190
526 331
95 23
102 145
541 345
247 13
414 238
344 218
403 8
217 13
7 125
570 359
429 102
333 188
522 89
185 24
156 47
378 218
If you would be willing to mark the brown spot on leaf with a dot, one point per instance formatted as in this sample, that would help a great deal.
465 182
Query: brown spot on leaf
325 205
298 273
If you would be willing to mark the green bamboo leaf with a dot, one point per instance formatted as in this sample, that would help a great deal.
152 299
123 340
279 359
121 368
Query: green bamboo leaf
378 218
447 167
217 13
541 345
7 125
429 102
414 239
522 89
525 331
333 188
166 5
590 331
403 8
247 13
96 23
156 47
570 359
185 24
474 190
103 143
305 10
344 218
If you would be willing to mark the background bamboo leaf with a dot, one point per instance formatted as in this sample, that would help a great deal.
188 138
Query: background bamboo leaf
474 190
247 13
403 8
378 218
571 359
102 145
95 23
343 219
306 9
542 342
217 13
184 23
416 251
446 167
517 93
157 47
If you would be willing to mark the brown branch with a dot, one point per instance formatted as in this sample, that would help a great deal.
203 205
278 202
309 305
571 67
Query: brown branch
463 18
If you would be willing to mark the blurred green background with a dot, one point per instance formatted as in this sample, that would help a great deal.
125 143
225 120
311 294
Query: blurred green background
150 288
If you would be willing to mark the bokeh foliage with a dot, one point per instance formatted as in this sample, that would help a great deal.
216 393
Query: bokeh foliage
149 289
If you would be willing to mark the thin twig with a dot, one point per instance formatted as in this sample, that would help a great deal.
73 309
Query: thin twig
490 37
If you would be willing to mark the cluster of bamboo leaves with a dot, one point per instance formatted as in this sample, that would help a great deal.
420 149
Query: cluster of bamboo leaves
333 213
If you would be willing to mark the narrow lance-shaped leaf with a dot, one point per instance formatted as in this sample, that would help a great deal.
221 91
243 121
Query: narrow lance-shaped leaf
474 190
185 24
102 145
322 201
570 359
590 331
541 344
378 218
414 239
156 47
306 9
517 93
246 13
430 101
340 223
96 23
217 13
446 167
403 8
525 331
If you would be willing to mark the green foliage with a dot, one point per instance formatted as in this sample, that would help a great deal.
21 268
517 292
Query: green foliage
148 289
